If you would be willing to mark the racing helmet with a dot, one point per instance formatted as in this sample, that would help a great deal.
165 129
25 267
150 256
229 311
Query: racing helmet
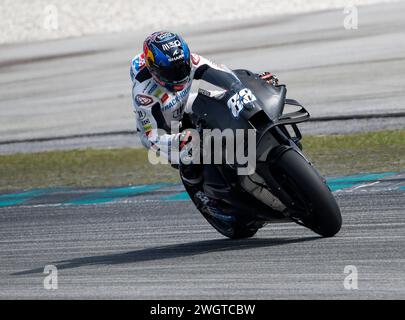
167 58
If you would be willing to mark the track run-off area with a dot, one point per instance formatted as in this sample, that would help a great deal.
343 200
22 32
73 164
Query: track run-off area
150 242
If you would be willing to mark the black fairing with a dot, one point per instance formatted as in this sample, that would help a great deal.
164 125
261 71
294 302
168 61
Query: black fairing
270 99
265 114
215 113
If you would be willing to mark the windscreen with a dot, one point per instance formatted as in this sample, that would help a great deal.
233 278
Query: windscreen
225 85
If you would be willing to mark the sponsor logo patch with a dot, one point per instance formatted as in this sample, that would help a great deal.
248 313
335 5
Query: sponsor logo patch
142 100
204 92
164 36
147 86
176 58
153 88
195 58
171 44
145 122
148 129
139 62
177 99
164 98
158 93
141 115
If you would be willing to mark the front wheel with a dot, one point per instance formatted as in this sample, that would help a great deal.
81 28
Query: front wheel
314 205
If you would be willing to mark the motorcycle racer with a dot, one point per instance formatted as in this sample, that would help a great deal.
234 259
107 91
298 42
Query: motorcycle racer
162 76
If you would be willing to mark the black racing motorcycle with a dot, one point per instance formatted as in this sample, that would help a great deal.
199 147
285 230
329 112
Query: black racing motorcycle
284 186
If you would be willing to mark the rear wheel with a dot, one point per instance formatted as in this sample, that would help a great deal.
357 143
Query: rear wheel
221 218
314 205
234 230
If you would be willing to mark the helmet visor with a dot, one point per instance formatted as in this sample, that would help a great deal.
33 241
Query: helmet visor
175 74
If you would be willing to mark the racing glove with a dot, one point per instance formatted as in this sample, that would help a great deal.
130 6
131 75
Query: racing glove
182 139
182 143
269 78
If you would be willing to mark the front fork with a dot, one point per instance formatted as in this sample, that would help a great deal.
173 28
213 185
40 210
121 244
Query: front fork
264 168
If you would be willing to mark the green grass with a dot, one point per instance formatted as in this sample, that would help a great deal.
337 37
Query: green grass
337 154
81 168
367 152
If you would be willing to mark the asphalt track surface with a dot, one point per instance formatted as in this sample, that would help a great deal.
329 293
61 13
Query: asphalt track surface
81 85
155 244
